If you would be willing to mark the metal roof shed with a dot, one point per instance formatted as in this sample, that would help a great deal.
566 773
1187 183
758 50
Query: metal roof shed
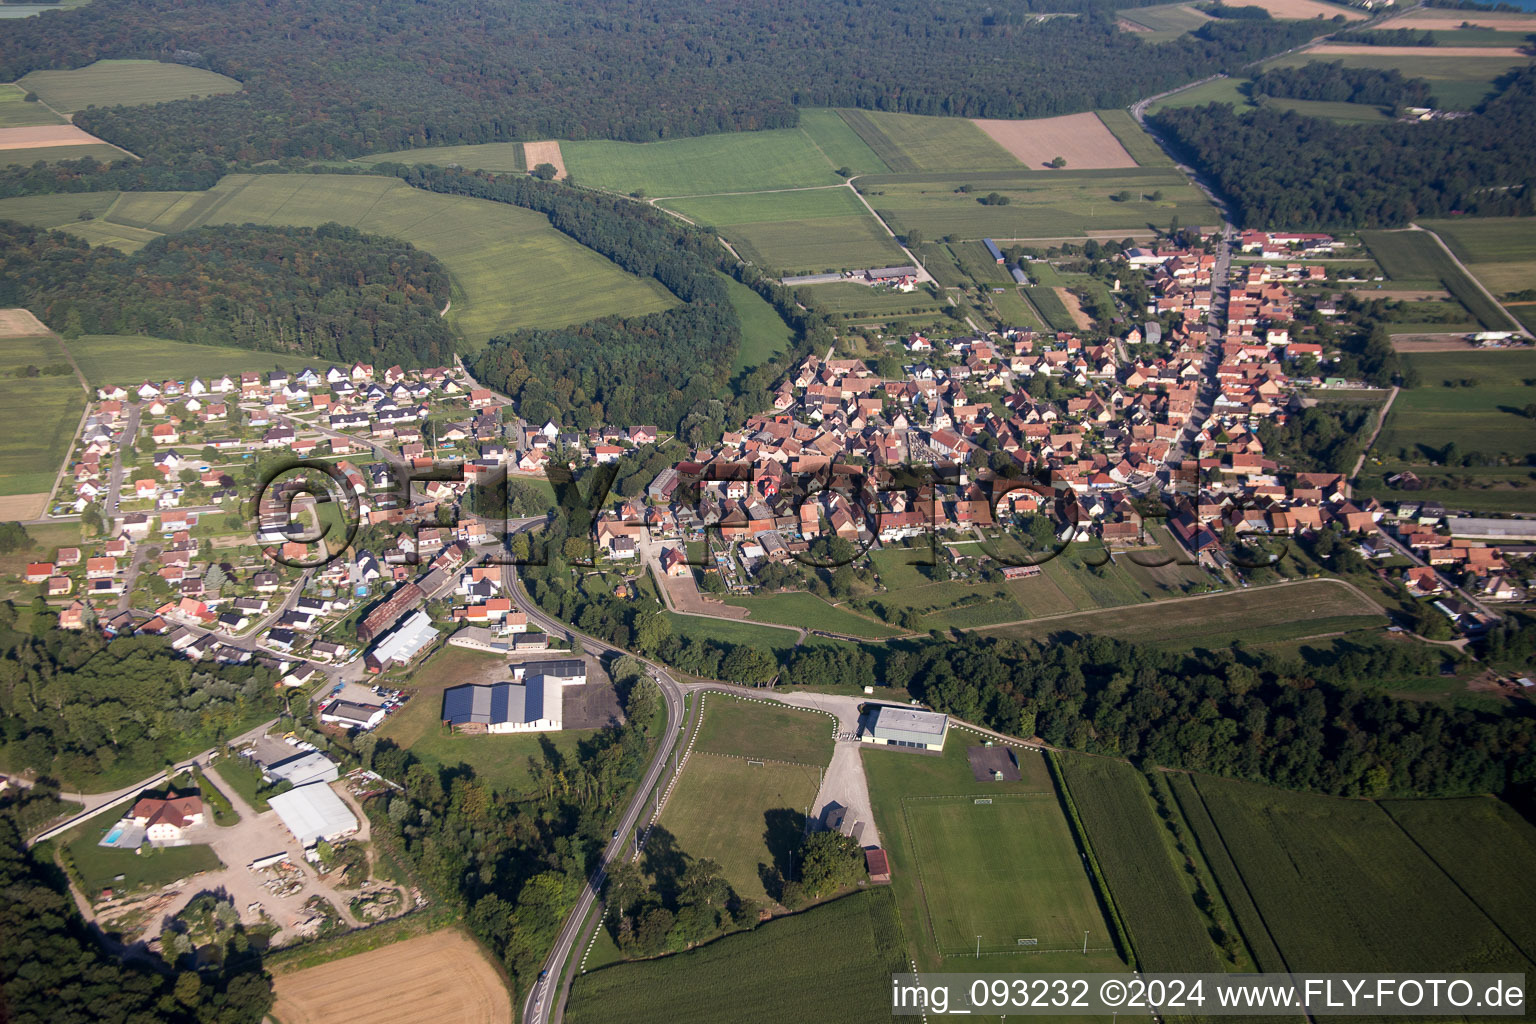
314 812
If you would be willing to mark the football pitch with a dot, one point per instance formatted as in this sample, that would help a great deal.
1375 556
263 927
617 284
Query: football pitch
1003 871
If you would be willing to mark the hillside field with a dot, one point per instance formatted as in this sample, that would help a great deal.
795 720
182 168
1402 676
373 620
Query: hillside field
510 268
788 971
38 415
764 334
126 83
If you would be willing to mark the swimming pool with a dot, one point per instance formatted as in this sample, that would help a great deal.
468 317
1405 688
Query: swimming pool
114 835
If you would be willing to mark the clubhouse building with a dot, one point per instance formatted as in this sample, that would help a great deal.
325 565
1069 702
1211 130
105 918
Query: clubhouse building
891 726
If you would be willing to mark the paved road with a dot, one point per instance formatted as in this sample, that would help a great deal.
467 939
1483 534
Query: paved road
115 481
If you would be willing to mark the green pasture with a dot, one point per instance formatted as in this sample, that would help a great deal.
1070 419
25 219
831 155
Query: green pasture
1165 21
797 231
16 112
98 151
487 156
1499 251
1458 83
840 144
38 415
125 83
729 162
1143 149
128 359
1417 255
764 334
912 142
809 612
736 726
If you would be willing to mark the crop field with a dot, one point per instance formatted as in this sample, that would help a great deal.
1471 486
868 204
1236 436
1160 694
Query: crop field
838 143
59 209
1166 21
764 334
500 760
911 142
730 162
1269 613
746 817
1305 10
1457 82
861 300
789 971
1142 148
1080 139
1474 840
1015 311
488 156
1499 251
1418 255
1340 887
1433 19
1486 416
797 231
1150 887
441 976
38 415
510 268
128 359
16 112
126 83
774 732
1004 870
98 151
1058 204
1048 302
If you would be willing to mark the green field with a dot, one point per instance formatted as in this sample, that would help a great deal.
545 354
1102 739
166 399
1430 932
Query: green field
764 334
1231 91
98 151
1050 306
1339 886
489 156
1486 417
128 359
764 731
1499 251
1164 22
810 612
1006 870
1062 204
510 268
1458 83
1348 113
1143 149
38 414
730 162
746 817
1474 841
500 760
860 300
1269 613
16 112
127 83
839 144
1146 877
98 866
789 971
58 209
1416 255
809 230
911 142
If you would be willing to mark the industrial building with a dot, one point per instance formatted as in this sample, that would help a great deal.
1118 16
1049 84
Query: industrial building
314 812
904 727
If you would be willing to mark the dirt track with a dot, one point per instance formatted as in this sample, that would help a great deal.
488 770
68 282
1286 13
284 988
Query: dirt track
1081 139
438 977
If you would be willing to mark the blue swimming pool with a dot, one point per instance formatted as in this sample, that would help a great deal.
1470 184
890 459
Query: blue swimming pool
114 835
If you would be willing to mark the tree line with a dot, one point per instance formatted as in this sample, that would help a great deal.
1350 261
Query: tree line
339 78
330 292
1282 169
1335 83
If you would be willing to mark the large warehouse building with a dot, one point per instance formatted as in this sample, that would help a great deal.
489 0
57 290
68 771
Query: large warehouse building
904 727
532 704
314 812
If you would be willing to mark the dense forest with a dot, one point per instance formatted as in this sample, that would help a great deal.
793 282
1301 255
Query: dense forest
55 972
74 705
1232 713
1282 169
329 292
326 78
1336 83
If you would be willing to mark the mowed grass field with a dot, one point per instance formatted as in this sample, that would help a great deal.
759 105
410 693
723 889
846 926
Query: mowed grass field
38 415
746 817
1339 886
1163 22
1055 204
489 156
126 83
798 231
764 334
128 359
730 162
840 144
442 976
1499 251
1285 612
757 729
1010 869
831 962
510 267
500 760
810 612
911 142
1147 880
1485 417
16 112
1418 255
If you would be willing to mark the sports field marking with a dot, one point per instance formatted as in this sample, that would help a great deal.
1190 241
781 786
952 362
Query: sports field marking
441 976
1080 139
546 152
44 135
